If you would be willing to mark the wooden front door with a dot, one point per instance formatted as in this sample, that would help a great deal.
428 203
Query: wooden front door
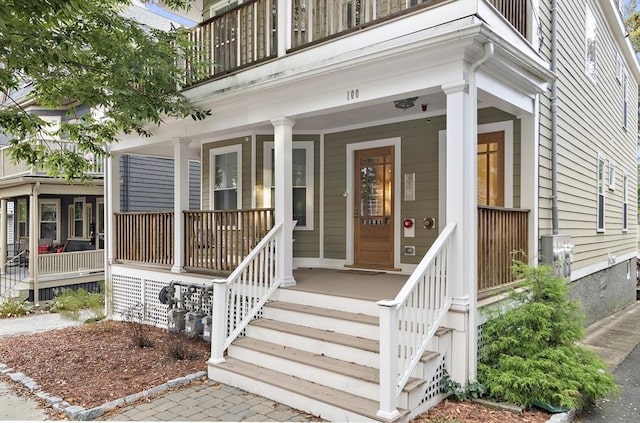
373 208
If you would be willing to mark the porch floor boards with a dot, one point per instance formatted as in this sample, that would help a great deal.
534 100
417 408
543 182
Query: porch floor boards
362 285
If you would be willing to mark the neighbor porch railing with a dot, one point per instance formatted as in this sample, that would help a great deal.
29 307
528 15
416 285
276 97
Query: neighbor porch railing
239 298
71 262
12 272
502 238
248 33
219 240
409 322
144 237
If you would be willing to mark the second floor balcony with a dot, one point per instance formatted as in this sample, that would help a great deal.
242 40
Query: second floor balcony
256 30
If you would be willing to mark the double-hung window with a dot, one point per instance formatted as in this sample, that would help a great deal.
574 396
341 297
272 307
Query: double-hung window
50 219
601 175
590 28
226 178
301 180
625 204
79 215
23 219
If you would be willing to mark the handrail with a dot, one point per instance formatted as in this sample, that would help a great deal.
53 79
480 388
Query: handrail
409 322
8 281
238 298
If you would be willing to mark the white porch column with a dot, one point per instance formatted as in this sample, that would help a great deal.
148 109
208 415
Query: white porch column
3 233
461 208
529 148
112 206
34 236
180 199
283 154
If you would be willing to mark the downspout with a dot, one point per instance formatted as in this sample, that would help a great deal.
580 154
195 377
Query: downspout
472 220
554 115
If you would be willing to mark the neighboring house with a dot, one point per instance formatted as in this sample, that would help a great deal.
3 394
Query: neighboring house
50 242
361 151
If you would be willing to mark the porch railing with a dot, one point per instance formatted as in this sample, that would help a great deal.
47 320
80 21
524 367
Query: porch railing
144 237
238 299
409 322
71 262
244 35
502 237
220 240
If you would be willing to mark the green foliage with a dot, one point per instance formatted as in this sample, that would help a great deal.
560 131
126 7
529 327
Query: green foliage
531 351
83 53
72 303
473 390
14 308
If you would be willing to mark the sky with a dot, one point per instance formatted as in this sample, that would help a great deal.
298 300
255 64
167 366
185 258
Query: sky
167 14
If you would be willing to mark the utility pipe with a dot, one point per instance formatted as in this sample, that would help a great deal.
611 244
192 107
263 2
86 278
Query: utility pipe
554 116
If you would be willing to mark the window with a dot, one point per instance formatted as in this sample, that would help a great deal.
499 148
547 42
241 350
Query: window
226 178
302 181
611 177
625 205
23 219
625 105
491 169
590 44
49 219
79 215
601 190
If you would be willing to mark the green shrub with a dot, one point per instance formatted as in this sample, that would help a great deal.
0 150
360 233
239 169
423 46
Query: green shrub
71 303
531 351
13 308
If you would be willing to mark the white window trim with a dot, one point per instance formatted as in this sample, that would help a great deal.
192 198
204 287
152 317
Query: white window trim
267 183
601 182
26 222
237 148
56 202
590 16
87 213
625 202
49 132
625 99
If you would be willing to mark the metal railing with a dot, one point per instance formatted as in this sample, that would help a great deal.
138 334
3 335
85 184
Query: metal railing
410 321
13 272
237 299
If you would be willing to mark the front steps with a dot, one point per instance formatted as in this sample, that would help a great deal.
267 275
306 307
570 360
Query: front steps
325 360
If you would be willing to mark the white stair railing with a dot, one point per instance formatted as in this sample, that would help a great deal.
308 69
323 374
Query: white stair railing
237 299
409 322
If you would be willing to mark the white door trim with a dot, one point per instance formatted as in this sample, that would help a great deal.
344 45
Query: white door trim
397 154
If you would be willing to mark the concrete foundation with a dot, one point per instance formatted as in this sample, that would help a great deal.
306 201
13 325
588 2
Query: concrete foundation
607 291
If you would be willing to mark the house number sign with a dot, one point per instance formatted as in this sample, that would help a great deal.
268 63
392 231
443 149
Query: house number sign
353 94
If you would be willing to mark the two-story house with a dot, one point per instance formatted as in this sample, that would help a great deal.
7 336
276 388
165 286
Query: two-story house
368 172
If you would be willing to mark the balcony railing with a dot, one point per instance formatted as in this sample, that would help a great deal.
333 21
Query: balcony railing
245 35
220 240
502 238
248 33
9 168
515 11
